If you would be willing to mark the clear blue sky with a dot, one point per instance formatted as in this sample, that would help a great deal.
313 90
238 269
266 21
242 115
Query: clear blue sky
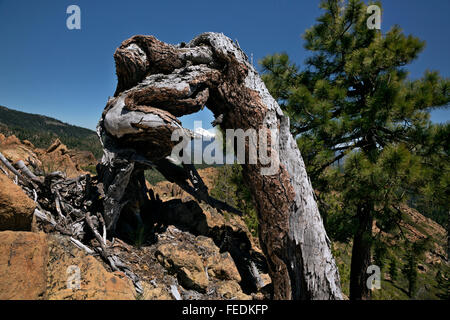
69 74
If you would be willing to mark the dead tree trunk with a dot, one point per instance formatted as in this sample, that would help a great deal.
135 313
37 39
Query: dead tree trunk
158 82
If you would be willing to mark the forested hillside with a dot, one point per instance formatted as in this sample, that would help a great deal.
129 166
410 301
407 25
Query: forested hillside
411 255
42 131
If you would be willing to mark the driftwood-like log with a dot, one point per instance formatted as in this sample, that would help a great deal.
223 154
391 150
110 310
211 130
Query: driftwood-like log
158 82
82 246
12 169
44 217
22 167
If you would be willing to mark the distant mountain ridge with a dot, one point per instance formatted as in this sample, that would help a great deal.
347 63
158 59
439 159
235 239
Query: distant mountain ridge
42 131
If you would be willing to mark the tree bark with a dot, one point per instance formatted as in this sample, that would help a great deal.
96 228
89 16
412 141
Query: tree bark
361 255
448 237
158 82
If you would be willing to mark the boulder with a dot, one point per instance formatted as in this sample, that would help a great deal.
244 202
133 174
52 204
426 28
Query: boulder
154 292
16 208
231 290
221 266
96 283
23 263
14 150
187 264
38 266
57 146
56 158
12 140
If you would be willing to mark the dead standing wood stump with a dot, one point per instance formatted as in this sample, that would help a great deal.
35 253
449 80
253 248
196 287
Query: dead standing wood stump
158 82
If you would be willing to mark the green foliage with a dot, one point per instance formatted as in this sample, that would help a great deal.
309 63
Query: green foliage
443 283
433 197
42 131
393 269
414 252
153 176
340 253
353 102
380 254
396 288
410 270
90 168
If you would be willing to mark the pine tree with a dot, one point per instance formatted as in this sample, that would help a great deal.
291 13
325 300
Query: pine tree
410 271
354 102
433 197
393 271
443 280
414 253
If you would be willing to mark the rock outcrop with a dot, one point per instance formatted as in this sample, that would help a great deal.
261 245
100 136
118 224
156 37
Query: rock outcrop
23 265
190 251
194 265
56 157
35 266
16 208
14 150
96 283
71 162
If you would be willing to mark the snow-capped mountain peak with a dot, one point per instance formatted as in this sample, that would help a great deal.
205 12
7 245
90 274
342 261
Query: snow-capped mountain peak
200 133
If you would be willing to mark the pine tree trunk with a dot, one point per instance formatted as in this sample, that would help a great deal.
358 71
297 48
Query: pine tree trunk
158 82
448 238
361 256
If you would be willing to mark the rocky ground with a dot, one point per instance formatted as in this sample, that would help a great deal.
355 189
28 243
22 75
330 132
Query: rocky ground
186 250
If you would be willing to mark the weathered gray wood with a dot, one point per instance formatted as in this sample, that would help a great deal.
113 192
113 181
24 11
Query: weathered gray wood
81 246
4 171
44 217
22 167
12 169
174 292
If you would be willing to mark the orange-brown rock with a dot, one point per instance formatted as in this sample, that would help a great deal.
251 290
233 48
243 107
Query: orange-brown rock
28 144
219 265
23 263
14 150
231 290
82 158
59 157
152 292
96 283
187 264
55 158
16 208
38 266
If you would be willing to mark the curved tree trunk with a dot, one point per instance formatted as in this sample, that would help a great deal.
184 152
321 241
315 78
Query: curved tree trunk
158 82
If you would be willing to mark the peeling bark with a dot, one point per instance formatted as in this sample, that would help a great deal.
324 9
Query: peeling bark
158 82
